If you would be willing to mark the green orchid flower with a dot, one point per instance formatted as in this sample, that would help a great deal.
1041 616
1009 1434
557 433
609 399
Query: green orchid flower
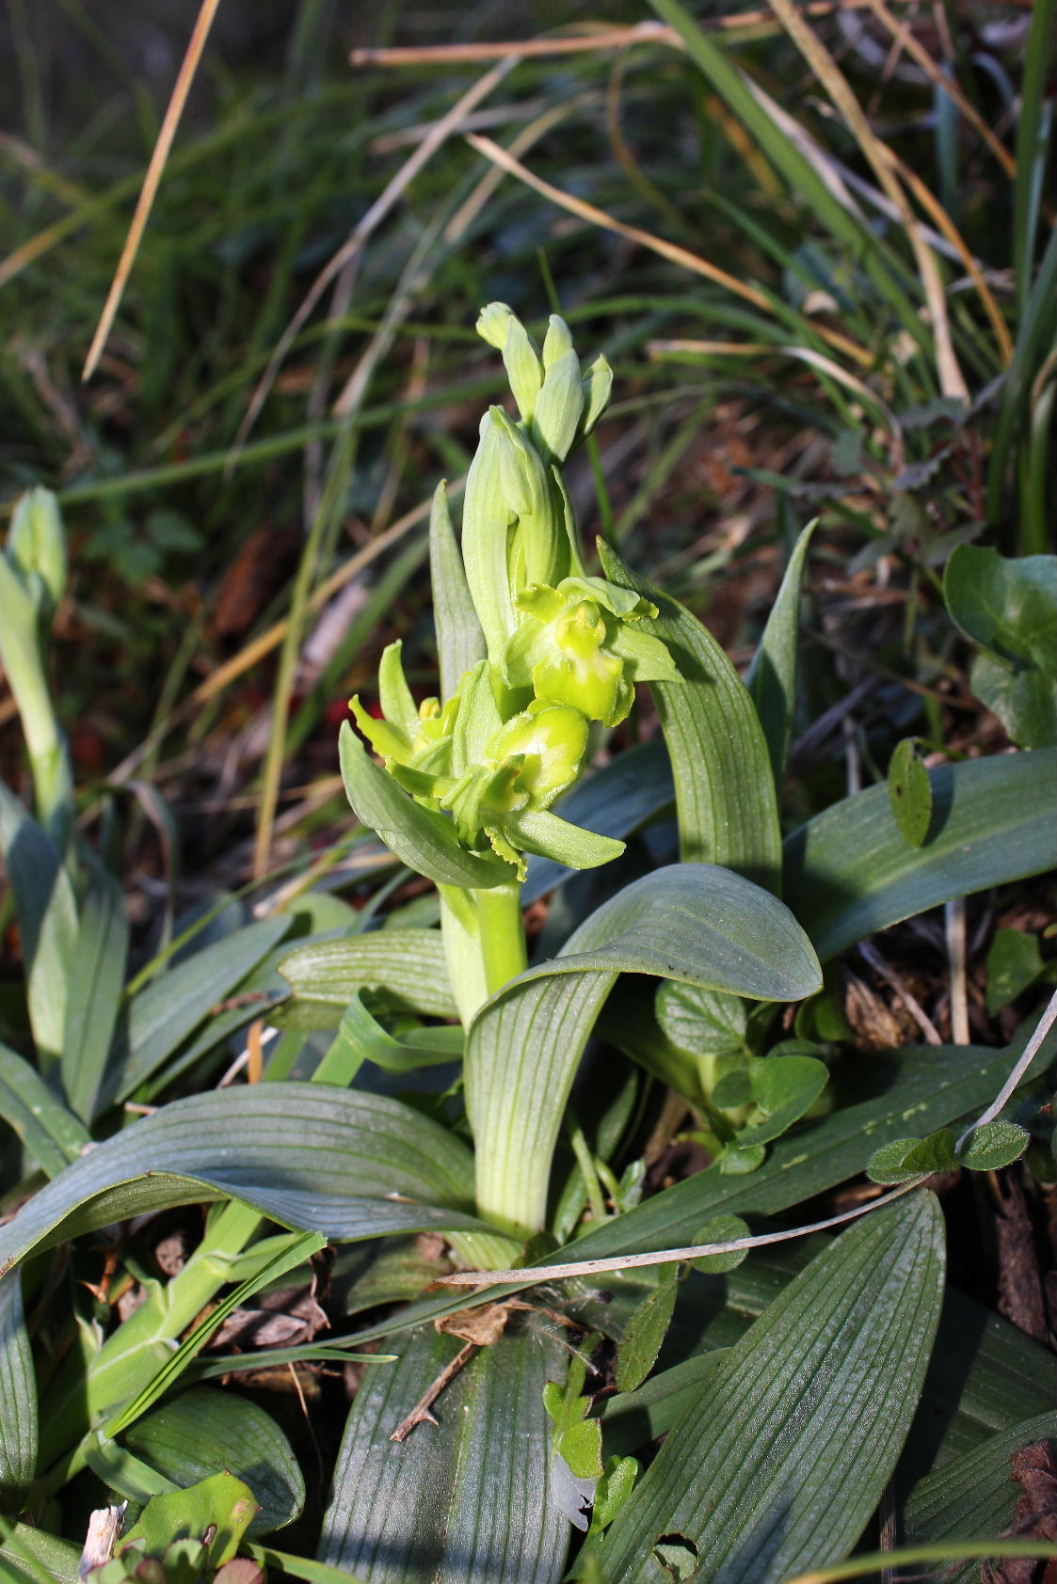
580 645
417 736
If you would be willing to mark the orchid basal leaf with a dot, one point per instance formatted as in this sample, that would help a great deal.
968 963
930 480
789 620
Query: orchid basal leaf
306 1155
693 922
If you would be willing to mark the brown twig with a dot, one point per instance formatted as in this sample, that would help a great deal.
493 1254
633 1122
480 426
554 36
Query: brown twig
420 1413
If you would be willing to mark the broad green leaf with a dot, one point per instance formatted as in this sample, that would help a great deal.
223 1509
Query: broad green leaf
724 787
466 1498
304 1154
53 1135
826 1383
18 1393
171 1007
974 1496
771 678
424 840
614 801
96 979
1005 604
460 641
203 1430
32 1556
910 793
646 1331
849 872
408 965
694 922
984 1375
221 1503
993 1146
47 921
1013 963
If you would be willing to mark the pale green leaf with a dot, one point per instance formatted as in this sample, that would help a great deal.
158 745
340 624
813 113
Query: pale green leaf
96 981
306 1155
408 965
724 787
466 1498
910 793
47 921
694 922
826 1383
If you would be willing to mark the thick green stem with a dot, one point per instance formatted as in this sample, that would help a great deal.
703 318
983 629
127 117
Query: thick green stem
484 942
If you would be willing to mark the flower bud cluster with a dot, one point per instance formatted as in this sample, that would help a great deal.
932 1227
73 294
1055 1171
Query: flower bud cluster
563 649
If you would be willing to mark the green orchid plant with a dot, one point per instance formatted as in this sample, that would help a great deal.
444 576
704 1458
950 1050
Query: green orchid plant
539 657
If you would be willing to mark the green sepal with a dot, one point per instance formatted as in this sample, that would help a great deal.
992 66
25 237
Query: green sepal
385 738
502 329
426 841
556 420
398 707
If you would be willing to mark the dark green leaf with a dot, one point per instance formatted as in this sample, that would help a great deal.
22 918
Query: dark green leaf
910 792
993 1146
203 1430
171 1007
304 1154
427 842
18 1393
1013 963
771 678
96 979
466 1498
825 1383
53 1135
646 1331
724 788
408 965
974 1496
849 872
